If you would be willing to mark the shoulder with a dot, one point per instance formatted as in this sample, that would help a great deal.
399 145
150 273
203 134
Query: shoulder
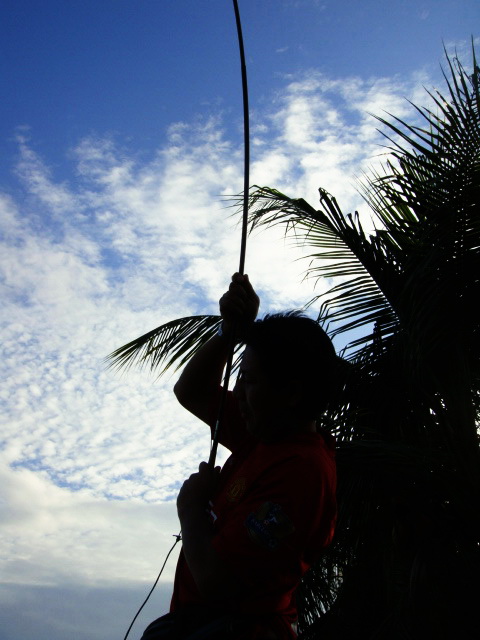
304 448
298 460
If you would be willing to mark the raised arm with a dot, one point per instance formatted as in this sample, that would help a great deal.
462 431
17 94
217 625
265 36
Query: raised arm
202 376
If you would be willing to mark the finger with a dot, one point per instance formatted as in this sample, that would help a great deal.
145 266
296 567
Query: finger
234 295
235 305
232 304
247 286
244 290
237 289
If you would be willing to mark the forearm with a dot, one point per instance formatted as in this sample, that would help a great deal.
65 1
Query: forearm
214 580
203 373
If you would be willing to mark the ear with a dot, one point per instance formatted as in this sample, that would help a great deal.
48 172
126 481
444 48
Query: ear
293 393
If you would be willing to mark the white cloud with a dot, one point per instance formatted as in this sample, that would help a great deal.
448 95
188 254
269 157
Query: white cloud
78 558
60 535
32 170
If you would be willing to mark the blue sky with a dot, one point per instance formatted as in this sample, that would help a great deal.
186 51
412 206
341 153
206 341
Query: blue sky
120 127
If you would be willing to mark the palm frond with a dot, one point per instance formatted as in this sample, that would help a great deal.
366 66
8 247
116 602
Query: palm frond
173 343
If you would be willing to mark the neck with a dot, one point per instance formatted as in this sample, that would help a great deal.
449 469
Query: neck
310 427
289 428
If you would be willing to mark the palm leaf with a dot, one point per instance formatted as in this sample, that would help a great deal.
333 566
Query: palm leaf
172 343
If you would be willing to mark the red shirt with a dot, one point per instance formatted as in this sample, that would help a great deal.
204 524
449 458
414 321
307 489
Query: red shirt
273 513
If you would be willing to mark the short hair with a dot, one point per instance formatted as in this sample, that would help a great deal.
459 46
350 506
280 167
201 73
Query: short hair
292 343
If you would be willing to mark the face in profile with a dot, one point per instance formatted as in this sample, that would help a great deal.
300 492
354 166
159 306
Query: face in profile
265 402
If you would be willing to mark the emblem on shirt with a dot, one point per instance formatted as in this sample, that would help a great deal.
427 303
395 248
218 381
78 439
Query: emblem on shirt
236 490
269 525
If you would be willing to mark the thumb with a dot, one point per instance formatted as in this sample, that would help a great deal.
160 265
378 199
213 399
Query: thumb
248 286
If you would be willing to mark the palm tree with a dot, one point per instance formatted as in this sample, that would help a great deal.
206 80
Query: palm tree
407 546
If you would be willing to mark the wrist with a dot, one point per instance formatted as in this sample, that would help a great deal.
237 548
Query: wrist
228 330
195 526
225 330
191 515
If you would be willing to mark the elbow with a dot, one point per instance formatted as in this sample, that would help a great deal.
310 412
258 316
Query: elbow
186 395
179 391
